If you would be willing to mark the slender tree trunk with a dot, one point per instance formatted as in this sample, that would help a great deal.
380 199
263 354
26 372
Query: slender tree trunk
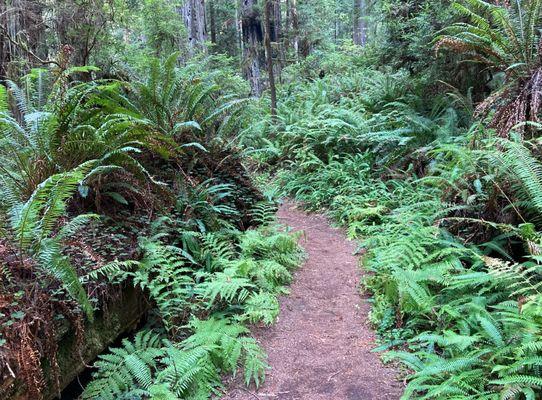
252 33
276 21
239 30
360 22
287 14
267 40
276 33
287 29
193 13
212 17
336 26
295 26
4 42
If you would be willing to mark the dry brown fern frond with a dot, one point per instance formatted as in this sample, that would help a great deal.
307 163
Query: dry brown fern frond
451 43
514 106
29 364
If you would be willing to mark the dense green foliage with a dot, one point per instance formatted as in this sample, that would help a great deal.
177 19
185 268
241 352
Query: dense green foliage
208 279
447 216
140 172
77 156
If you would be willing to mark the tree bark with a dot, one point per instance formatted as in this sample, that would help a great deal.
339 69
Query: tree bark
277 37
295 26
360 22
4 42
269 8
287 22
239 31
276 21
252 33
212 17
193 14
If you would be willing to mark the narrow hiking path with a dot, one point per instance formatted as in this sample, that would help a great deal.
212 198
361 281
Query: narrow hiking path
320 348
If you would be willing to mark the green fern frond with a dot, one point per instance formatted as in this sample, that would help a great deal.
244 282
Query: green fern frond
125 368
262 306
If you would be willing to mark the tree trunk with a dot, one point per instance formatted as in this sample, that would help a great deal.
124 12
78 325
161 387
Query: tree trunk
275 21
212 16
193 14
251 26
239 31
360 22
295 26
276 33
287 26
4 42
269 9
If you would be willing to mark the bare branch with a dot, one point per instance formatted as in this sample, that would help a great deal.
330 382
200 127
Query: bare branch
4 31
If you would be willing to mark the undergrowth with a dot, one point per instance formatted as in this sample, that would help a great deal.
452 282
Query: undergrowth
205 293
135 176
447 219
107 184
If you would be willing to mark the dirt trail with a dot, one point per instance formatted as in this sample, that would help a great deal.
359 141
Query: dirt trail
320 348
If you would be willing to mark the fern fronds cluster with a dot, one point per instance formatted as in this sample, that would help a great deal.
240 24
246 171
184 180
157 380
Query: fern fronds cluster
450 300
204 294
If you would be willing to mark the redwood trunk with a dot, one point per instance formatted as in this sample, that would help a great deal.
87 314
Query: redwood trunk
276 32
360 23
193 13
251 26
275 21
212 23
295 26
269 51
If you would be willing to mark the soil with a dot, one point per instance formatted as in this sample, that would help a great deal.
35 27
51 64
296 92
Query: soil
320 347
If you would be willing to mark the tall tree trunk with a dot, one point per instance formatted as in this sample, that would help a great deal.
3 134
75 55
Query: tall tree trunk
277 36
269 9
275 21
287 26
360 22
295 26
4 42
251 25
212 17
239 31
193 13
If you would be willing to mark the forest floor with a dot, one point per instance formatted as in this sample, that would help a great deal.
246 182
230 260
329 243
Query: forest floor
320 347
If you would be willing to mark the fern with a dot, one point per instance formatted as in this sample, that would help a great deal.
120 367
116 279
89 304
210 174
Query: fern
162 272
261 306
187 373
224 286
518 162
263 213
229 345
126 369
33 224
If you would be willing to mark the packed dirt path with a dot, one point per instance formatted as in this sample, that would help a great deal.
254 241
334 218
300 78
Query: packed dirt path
320 347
